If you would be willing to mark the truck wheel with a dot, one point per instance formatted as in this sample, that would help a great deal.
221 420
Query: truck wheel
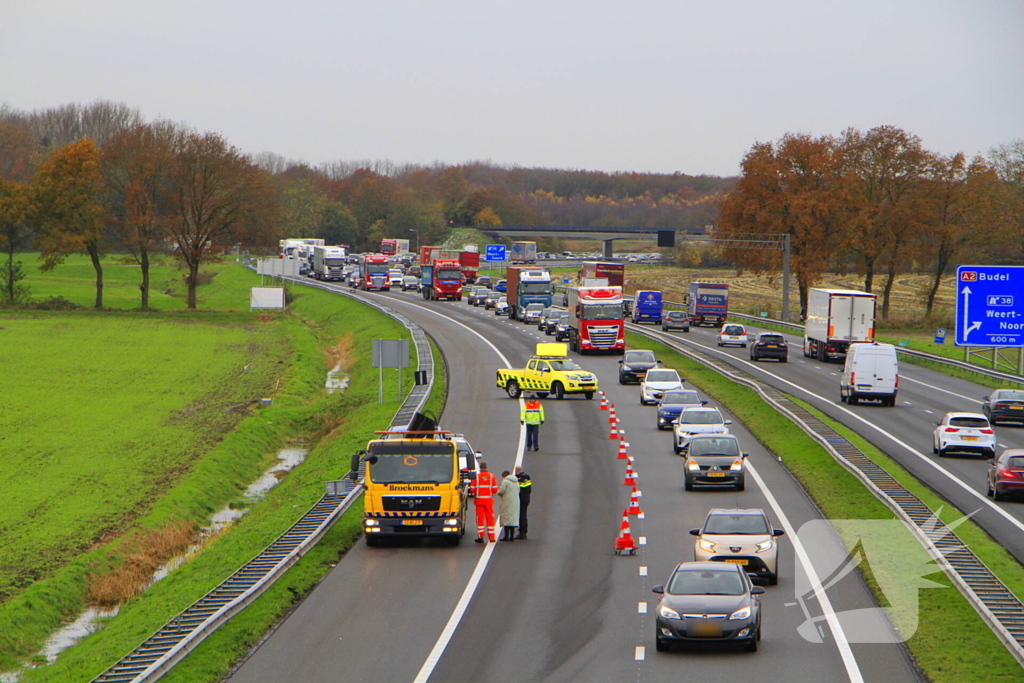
453 540
372 540
588 395
558 390
513 390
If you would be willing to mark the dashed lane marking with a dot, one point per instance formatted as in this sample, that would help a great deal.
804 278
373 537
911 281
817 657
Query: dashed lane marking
640 653
641 608
643 571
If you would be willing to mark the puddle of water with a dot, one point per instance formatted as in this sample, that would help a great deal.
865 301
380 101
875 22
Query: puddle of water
334 383
287 459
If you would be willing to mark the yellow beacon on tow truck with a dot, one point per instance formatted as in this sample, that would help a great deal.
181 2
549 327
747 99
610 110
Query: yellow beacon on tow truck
416 485
549 372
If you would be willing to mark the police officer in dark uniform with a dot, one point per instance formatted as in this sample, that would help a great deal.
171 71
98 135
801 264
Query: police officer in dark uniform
525 489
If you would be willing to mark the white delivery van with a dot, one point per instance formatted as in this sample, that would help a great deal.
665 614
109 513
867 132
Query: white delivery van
871 373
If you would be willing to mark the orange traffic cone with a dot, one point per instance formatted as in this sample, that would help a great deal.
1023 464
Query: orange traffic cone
612 419
630 476
634 503
604 401
622 451
613 433
625 542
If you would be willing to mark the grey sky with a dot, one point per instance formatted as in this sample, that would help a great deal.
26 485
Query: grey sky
616 86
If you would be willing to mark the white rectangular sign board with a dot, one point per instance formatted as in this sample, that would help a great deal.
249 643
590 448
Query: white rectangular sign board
278 267
266 297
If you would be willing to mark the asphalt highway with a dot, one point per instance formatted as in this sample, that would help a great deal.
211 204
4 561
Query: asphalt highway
561 606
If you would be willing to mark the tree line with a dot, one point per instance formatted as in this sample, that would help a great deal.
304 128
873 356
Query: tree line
98 178
877 202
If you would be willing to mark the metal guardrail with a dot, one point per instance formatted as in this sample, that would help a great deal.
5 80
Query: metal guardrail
177 638
995 603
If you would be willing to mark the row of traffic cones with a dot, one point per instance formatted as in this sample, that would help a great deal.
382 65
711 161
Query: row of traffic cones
624 543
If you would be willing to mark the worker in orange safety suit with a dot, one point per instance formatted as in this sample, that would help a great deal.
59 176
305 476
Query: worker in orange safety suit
483 489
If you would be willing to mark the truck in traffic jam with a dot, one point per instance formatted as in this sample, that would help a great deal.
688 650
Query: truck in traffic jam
415 486
393 247
523 252
647 307
527 285
834 319
373 272
614 273
469 262
441 277
596 320
328 263
708 303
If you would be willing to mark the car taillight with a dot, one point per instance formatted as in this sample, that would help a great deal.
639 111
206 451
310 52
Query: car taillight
952 429
853 378
987 431
1009 474
897 384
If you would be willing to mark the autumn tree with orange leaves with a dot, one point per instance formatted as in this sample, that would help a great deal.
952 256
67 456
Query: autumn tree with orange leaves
68 209
796 186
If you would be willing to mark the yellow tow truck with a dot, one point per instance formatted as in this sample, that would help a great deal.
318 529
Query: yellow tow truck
549 372
416 485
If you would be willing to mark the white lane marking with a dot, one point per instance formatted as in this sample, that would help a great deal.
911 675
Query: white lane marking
930 412
638 655
642 540
485 556
845 651
945 391
643 571
641 516
913 451
641 608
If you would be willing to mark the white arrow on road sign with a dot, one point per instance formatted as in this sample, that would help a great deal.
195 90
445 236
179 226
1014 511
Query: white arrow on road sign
968 327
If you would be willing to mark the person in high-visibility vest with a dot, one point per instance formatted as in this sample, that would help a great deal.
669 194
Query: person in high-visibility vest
483 488
532 415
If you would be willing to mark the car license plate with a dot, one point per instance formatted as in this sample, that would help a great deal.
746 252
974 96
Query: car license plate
704 627
716 474
970 438
736 561
412 522
771 346
1016 407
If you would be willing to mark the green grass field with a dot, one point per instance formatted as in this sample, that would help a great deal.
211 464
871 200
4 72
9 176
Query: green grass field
128 420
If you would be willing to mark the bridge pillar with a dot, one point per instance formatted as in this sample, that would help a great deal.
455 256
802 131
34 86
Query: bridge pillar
608 251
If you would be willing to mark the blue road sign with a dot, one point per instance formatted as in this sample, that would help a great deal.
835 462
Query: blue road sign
495 252
990 306
940 335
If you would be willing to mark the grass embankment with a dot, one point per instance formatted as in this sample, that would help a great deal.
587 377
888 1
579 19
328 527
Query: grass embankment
206 479
951 644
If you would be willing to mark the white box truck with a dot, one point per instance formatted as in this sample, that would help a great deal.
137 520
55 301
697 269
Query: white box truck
328 263
836 318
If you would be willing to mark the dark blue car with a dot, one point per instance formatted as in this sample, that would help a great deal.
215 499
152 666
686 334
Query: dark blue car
501 286
672 403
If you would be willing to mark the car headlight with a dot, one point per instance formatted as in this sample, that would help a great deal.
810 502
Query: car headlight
736 466
765 545
692 466
706 545
668 612
741 613
371 522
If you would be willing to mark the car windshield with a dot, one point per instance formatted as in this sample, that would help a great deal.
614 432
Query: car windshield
1008 396
675 315
1015 461
662 376
563 365
503 300
714 446
700 417
733 329
726 524
772 339
535 307
704 582
639 357
975 422
564 320
684 397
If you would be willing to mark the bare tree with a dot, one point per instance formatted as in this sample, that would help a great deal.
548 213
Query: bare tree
68 123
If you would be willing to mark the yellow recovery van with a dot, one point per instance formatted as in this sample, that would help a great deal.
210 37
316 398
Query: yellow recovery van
550 371
416 485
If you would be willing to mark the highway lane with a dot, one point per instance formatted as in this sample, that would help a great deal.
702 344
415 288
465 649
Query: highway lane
559 606
904 432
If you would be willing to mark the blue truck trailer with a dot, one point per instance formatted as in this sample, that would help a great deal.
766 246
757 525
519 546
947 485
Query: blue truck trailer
708 303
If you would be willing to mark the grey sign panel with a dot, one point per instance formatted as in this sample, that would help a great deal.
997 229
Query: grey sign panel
390 353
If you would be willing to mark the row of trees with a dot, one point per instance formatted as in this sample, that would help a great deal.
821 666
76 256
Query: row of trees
877 201
97 179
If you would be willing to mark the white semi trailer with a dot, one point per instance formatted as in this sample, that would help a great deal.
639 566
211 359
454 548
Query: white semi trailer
835 318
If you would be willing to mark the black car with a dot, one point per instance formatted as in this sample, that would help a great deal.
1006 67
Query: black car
562 328
715 460
634 366
549 319
1004 405
708 602
769 345
477 296
491 300
485 281
675 320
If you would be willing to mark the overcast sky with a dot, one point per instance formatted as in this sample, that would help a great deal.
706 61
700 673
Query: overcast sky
665 86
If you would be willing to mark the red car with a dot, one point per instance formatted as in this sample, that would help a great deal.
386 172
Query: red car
1006 474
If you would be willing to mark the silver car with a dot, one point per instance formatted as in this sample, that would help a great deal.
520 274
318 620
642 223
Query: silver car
694 420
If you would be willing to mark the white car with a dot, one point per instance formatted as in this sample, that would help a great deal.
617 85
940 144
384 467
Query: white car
656 382
733 334
395 276
695 420
501 308
964 433
740 536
